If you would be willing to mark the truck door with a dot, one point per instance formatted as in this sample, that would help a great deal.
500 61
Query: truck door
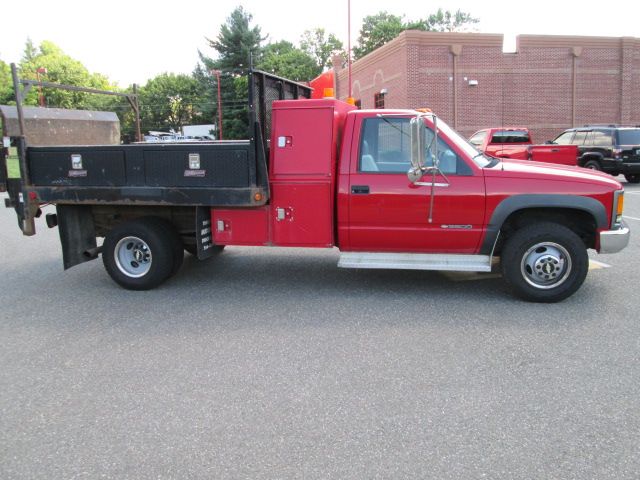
389 213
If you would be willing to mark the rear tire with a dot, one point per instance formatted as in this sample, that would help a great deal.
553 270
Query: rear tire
139 254
633 177
544 262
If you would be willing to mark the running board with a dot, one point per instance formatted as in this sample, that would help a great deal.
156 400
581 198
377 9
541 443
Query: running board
416 261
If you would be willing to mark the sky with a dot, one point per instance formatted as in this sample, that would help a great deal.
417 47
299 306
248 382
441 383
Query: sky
132 41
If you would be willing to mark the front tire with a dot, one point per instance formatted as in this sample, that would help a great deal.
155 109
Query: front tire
139 254
544 262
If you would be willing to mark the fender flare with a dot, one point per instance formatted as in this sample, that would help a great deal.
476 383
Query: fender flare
526 201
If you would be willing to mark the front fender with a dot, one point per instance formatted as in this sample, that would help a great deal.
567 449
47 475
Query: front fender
517 203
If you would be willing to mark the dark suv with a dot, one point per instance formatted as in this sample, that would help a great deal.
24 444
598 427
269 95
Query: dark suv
612 148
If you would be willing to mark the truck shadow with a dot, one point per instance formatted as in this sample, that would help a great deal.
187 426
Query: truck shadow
259 287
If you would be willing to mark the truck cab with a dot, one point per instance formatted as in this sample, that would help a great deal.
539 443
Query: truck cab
401 189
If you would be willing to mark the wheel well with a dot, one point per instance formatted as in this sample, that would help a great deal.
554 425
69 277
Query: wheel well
182 218
582 223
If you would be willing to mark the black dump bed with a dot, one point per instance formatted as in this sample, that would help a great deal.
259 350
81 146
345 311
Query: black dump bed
221 173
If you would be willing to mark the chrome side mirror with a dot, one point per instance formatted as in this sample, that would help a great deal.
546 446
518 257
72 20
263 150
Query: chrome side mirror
417 128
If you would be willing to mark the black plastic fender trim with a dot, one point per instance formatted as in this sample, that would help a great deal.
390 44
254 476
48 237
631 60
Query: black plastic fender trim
527 201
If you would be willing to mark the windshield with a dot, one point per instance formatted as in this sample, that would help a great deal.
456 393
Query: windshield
478 157
629 137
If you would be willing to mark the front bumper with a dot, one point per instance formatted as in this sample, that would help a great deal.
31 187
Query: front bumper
612 241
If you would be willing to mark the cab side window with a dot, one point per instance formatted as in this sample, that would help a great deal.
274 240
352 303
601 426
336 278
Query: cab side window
385 147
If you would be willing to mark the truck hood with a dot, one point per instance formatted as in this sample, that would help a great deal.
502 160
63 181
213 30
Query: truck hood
509 168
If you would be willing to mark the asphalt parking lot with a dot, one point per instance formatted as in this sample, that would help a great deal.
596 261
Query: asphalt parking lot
273 363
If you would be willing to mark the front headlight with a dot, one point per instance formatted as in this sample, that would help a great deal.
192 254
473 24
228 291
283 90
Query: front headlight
618 206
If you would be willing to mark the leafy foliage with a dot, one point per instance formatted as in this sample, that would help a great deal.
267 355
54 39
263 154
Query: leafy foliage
236 42
320 46
169 101
379 29
30 51
447 21
6 88
285 60
61 68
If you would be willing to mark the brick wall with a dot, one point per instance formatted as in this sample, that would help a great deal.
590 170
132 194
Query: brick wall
551 83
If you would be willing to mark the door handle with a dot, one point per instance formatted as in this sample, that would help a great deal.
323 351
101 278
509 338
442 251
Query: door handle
360 189
555 150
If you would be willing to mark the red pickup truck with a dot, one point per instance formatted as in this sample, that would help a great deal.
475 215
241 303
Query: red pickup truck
392 189
515 142
503 142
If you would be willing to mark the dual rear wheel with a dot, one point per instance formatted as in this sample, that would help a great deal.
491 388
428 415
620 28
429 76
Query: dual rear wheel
141 254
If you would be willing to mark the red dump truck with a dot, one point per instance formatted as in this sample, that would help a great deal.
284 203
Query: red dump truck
392 189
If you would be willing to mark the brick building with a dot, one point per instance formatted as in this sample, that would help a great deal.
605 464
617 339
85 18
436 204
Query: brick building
549 84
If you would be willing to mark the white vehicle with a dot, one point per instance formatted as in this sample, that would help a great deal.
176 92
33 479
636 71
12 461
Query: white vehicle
200 132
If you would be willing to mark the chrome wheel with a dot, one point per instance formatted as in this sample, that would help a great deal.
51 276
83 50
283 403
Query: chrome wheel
133 257
546 265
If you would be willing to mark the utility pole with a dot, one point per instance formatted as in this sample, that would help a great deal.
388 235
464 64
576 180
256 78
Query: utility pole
217 74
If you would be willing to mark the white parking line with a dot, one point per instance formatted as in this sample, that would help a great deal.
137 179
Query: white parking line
631 218
596 265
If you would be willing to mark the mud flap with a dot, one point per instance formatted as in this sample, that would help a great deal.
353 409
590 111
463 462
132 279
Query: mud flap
15 200
204 233
77 233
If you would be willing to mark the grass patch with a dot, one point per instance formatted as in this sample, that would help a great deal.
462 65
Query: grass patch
13 163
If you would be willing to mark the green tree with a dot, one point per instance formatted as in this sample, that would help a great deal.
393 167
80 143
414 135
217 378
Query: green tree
447 21
236 42
285 60
6 84
206 101
377 30
383 27
30 51
169 101
321 46
61 68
